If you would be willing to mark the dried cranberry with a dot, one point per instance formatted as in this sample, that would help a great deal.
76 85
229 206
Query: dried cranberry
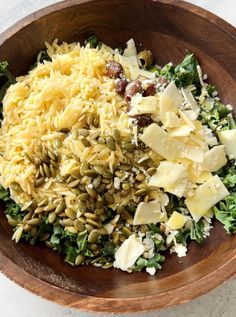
114 69
143 120
120 85
150 91
132 89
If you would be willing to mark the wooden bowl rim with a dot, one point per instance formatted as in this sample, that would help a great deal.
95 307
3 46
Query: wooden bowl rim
118 305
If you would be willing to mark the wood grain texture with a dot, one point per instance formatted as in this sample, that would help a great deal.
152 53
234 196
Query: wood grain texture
168 28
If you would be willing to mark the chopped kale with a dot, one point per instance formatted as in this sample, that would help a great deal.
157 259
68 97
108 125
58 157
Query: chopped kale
225 212
93 42
184 74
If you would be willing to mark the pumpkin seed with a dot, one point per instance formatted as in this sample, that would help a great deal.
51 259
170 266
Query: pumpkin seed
79 225
90 173
54 164
39 182
124 193
85 142
109 199
68 222
97 181
151 171
99 169
39 210
70 213
125 167
34 232
116 135
27 228
91 192
82 206
110 143
126 231
93 246
37 160
79 259
43 202
41 171
93 236
140 177
126 186
74 183
83 196
17 234
107 265
83 167
52 155
102 231
71 229
90 215
30 205
88 227
93 223
60 208
34 222
46 170
50 207
52 171
28 157
129 147
101 140
44 237
12 222
122 238
119 174
76 191
83 132
120 209
141 192
125 215
69 179
115 237
45 159
52 217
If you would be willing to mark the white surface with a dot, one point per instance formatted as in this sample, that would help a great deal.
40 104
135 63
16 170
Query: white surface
15 301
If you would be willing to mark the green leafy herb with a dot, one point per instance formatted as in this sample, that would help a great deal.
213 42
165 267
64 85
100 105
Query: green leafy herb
108 249
93 42
197 231
71 254
141 263
225 212
184 74
82 241
7 79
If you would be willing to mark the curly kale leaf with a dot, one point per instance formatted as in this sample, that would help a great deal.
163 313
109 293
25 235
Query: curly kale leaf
184 74
225 212
6 79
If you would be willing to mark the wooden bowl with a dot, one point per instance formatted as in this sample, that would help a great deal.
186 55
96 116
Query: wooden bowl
167 28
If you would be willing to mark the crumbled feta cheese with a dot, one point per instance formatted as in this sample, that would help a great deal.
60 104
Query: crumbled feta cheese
214 94
90 186
151 270
149 246
207 227
229 107
116 183
210 139
180 249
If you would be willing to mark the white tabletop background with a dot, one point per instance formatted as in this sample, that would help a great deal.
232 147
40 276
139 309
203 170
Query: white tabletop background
17 302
